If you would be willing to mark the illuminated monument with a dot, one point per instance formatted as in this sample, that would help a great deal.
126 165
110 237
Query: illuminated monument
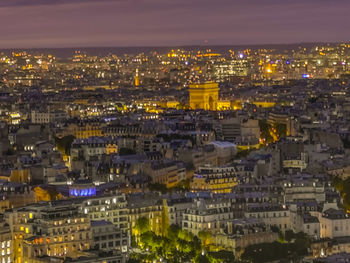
204 96
137 79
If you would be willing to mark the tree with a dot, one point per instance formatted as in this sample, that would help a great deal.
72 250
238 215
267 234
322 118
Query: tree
205 237
173 232
267 252
343 186
142 226
65 143
148 238
223 256
346 143
301 243
289 235
10 151
185 235
176 246
184 185
338 184
275 229
126 151
281 130
133 260
156 187
265 131
201 259
243 153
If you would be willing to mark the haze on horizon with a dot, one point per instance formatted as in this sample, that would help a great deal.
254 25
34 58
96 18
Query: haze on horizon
84 23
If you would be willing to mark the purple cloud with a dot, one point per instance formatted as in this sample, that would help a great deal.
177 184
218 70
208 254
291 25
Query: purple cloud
63 23
9 3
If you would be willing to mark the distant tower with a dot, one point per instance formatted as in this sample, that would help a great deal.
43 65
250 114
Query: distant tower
137 80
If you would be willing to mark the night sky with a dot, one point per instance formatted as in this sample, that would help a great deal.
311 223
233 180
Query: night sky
72 23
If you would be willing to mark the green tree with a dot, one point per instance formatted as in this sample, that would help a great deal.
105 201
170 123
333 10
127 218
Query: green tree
133 260
173 232
243 153
176 246
267 252
201 259
156 187
142 225
126 151
301 244
205 237
343 186
65 143
289 235
148 238
184 185
281 130
265 130
223 256
185 235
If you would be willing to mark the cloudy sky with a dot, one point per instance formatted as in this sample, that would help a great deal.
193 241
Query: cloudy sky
77 23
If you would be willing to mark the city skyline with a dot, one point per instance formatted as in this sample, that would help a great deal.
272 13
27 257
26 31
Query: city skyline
61 23
166 131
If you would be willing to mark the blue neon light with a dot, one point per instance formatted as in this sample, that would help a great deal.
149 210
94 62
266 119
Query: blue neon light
82 192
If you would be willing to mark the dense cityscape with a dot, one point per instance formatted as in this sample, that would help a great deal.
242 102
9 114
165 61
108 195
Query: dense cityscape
176 155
